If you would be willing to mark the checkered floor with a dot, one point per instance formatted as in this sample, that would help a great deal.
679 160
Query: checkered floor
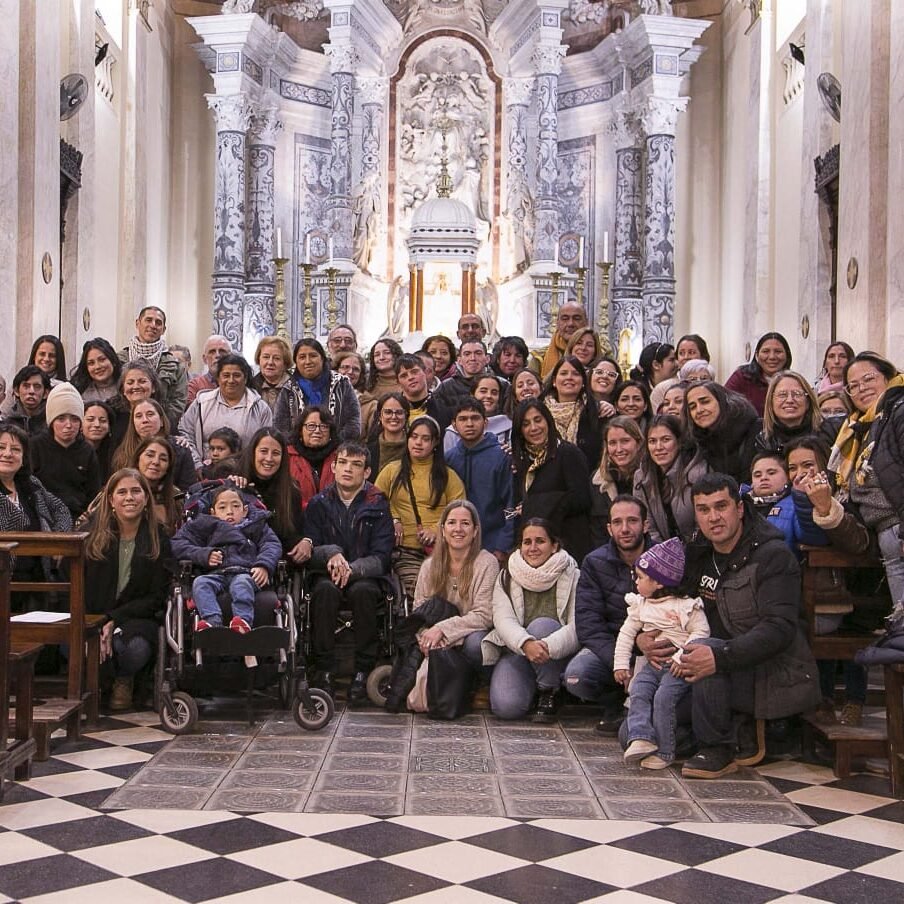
57 844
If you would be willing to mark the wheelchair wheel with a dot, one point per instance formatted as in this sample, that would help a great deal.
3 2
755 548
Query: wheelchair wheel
285 690
316 716
378 684
184 715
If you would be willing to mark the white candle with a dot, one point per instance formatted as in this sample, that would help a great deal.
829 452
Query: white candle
556 253
307 248
606 247
278 242
581 251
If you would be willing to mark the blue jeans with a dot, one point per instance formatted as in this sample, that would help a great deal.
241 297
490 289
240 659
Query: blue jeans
716 697
130 656
241 587
589 678
471 650
652 708
516 679
890 547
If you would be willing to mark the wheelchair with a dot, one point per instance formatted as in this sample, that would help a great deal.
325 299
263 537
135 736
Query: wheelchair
393 606
192 663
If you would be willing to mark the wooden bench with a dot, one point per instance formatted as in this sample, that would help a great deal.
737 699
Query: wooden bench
80 632
823 588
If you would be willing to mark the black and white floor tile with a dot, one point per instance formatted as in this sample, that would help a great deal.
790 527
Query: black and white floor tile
59 844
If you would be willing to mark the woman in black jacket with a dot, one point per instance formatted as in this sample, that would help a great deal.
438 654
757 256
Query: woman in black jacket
792 412
127 554
552 479
567 396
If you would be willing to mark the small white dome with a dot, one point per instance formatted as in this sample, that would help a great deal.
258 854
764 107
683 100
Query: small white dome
443 216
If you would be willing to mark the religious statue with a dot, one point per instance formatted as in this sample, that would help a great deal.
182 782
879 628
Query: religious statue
471 11
488 308
367 218
238 6
396 308
656 7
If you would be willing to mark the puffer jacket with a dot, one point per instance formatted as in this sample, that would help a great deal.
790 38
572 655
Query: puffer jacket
340 398
784 511
758 601
888 455
245 545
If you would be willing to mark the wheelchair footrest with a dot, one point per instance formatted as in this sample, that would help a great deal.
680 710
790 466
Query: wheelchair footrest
264 641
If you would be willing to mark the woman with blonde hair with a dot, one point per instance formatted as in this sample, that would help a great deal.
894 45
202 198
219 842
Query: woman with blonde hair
791 411
623 452
584 345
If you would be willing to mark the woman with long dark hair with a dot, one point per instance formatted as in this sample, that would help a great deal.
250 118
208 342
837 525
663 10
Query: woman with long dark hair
154 459
128 555
689 347
49 356
632 399
552 480
664 479
418 486
657 362
97 427
568 399
137 381
380 378
97 373
312 451
751 380
622 453
389 433
442 350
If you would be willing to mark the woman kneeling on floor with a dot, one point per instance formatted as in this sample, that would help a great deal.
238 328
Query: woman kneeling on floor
533 635
127 552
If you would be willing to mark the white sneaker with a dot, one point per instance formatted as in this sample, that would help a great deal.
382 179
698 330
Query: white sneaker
637 750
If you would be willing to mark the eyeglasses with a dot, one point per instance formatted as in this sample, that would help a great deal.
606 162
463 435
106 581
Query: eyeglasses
316 428
864 383
391 412
606 374
794 394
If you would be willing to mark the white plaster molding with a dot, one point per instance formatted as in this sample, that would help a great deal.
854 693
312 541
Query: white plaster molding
343 57
232 112
372 89
547 58
582 12
794 78
660 115
656 8
625 127
265 125
302 10
232 7
518 91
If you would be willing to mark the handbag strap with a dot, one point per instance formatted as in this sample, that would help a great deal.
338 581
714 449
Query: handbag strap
414 508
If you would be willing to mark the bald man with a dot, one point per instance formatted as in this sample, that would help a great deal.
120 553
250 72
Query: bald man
571 318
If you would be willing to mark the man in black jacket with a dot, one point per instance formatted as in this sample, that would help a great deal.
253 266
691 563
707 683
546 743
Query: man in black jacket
350 529
757 662
599 609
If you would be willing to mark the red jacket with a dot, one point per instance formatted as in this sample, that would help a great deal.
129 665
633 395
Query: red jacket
309 481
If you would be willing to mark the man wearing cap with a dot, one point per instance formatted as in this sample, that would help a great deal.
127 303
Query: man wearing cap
61 458
148 343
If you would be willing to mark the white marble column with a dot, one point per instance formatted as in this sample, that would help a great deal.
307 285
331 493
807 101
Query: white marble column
259 313
368 200
626 295
519 204
659 118
233 116
343 60
895 232
547 61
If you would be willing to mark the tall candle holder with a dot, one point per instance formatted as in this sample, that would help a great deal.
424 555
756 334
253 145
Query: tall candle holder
579 284
280 296
308 303
602 323
624 352
332 309
554 301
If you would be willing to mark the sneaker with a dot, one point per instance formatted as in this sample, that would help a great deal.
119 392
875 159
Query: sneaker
547 705
239 625
825 713
357 690
121 696
609 725
851 714
639 749
655 762
751 746
324 680
710 762
202 625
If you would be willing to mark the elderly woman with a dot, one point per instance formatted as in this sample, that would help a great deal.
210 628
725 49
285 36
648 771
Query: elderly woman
510 354
868 457
98 371
274 358
314 383
772 354
232 404
128 555
724 426
533 636
791 412
664 479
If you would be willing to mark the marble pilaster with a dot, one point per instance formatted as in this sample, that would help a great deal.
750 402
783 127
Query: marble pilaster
547 62
895 252
626 294
659 117
519 203
233 117
259 313
368 203
343 60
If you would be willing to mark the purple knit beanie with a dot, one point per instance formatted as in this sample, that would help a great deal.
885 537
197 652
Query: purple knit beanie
664 562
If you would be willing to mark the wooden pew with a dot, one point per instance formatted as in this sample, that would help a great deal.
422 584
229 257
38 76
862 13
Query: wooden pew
16 667
80 631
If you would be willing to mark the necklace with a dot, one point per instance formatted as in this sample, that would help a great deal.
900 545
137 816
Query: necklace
716 566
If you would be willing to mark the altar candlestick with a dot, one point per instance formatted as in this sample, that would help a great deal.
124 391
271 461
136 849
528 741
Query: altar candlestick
606 247
278 242
581 251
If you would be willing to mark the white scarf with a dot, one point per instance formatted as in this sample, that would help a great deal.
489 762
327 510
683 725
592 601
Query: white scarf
542 578
150 351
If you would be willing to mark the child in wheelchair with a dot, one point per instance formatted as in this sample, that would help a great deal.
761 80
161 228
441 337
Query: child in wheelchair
237 551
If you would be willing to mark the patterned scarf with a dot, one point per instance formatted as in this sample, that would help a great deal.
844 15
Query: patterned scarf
566 415
150 351
537 459
850 458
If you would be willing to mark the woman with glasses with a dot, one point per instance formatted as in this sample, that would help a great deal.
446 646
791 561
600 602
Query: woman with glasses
312 451
389 433
792 412
868 457
605 378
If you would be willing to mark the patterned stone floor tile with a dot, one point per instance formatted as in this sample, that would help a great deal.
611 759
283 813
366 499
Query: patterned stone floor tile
451 783
545 785
198 759
347 802
269 779
520 747
355 745
553 807
746 811
638 787
151 798
453 805
653 810
362 762
256 800
377 782
537 765
182 778
452 747
719 789
278 759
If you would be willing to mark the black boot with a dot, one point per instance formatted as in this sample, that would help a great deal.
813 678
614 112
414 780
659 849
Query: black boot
357 690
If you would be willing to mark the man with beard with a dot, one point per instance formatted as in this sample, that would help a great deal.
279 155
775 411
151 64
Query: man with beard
607 574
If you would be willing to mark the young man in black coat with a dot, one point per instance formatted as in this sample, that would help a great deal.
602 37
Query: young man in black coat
607 574
349 526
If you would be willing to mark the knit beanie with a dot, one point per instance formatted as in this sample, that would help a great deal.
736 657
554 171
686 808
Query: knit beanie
64 398
664 562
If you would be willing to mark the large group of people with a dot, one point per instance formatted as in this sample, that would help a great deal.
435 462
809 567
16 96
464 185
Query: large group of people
569 528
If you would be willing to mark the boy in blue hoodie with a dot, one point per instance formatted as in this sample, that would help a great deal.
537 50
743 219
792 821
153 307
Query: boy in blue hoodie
486 472
240 550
